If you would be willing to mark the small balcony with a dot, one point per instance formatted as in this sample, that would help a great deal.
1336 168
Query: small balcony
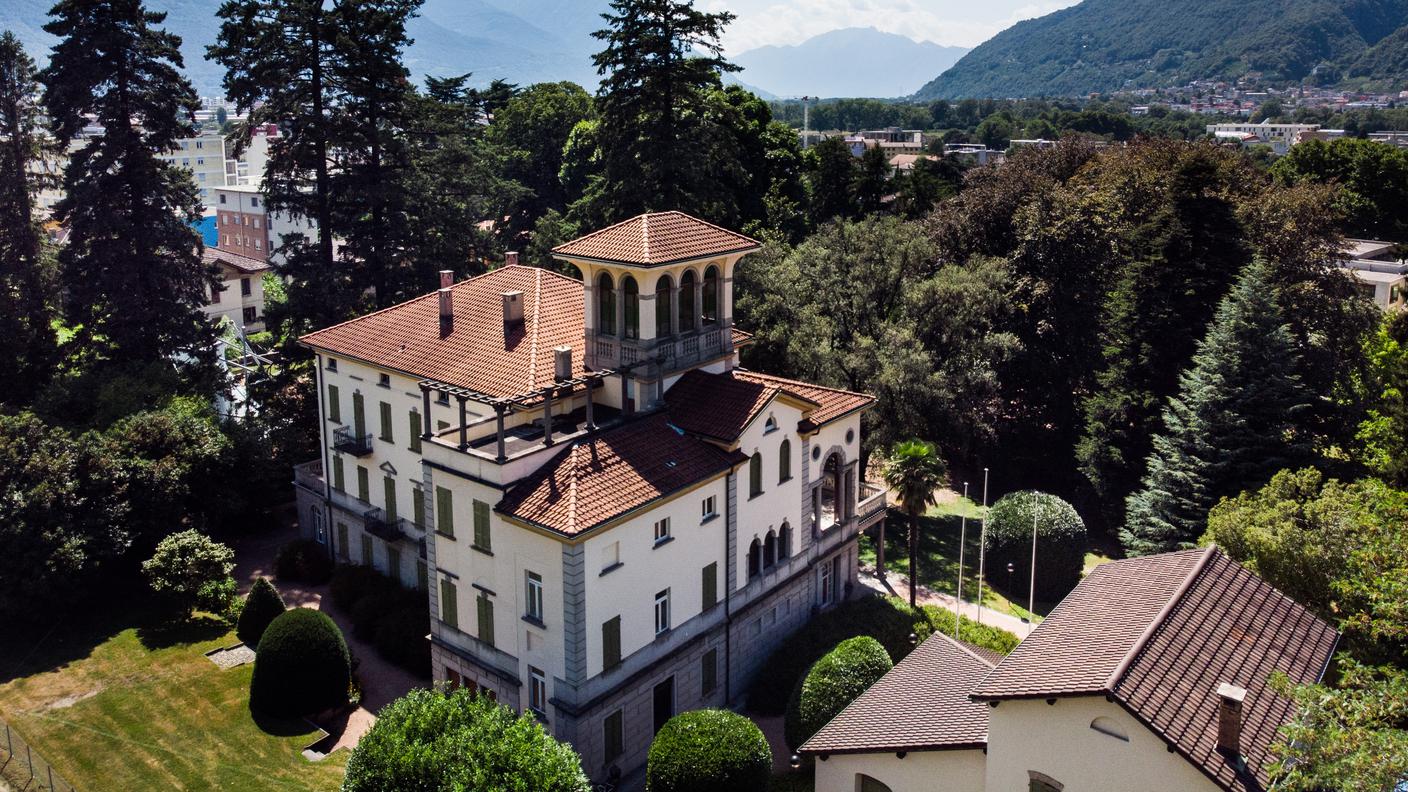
347 441
670 352
309 475
872 504
376 524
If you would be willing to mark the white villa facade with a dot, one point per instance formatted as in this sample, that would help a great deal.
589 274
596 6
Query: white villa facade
615 523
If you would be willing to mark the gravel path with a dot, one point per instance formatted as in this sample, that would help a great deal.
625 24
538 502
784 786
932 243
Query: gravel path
897 584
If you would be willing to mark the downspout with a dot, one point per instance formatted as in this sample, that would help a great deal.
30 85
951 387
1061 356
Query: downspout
325 454
728 594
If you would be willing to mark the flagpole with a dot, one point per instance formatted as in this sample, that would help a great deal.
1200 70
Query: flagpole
1031 595
982 545
962 542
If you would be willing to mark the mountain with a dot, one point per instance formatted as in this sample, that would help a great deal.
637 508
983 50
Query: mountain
847 62
1102 45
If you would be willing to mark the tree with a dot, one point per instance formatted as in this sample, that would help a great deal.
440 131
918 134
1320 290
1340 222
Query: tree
193 571
1383 434
661 59
1060 543
25 311
533 128
914 471
704 750
134 281
1372 180
460 740
1349 737
873 180
1232 424
831 176
261 607
302 665
832 683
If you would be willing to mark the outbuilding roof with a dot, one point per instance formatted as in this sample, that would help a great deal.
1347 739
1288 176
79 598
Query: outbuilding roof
657 238
832 403
242 264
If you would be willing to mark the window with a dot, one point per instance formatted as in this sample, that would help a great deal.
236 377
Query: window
481 526
250 314
706 508
449 603
256 222
339 481
334 403
258 244
755 474
215 294
755 558
537 692
632 306
709 583
441 397
662 530
611 643
662 611
332 364
422 575
415 431
386 433
388 487
342 551
417 506
486 618
533 595
222 199
784 542
384 380
612 737
605 305
320 529
444 512
770 426
865 783
368 556
1040 782
359 418
708 672
663 287
711 295
769 550
664 702
254 202
784 461
393 564
364 485
610 557
245 287
689 316
825 584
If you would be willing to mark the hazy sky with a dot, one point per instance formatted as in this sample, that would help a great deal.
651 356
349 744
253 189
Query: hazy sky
952 22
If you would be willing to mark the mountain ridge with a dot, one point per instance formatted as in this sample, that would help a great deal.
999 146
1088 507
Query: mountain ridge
847 62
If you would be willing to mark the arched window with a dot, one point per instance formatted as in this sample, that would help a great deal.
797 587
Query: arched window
784 542
1041 782
755 559
663 288
755 475
632 307
865 783
784 461
711 295
689 318
770 550
605 305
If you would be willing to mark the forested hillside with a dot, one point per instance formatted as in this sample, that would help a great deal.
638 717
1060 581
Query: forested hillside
1102 45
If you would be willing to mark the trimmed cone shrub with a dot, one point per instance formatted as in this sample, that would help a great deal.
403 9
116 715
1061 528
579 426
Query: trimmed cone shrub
261 607
709 750
303 560
302 665
460 740
832 683
1060 544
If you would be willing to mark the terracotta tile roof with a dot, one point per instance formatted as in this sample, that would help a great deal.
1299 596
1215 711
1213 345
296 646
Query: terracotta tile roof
833 402
656 238
479 353
599 478
1159 634
922 703
244 264
718 406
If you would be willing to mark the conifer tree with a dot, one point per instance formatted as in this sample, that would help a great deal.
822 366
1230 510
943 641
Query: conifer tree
1232 425
25 313
134 282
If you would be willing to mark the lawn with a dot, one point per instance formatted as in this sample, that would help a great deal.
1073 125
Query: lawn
118 707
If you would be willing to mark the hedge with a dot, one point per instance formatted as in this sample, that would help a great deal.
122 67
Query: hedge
888 620
1060 544
460 740
709 750
261 607
303 560
352 582
833 682
302 665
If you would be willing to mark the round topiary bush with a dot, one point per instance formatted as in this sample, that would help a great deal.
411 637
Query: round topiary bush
302 665
261 607
1060 544
709 750
833 682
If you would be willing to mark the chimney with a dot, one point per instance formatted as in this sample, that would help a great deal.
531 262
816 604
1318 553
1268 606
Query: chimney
513 308
511 258
562 363
447 278
447 312
1229 718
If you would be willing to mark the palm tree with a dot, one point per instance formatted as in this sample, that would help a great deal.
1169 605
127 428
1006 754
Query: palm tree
913 471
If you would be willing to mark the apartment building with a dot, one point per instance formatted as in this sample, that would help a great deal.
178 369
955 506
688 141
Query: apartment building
614 521
204 157
245 225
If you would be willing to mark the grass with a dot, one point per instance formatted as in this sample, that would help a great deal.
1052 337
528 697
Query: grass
114 706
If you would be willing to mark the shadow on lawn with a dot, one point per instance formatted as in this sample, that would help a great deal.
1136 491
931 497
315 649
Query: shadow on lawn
68 633
166 633
280 726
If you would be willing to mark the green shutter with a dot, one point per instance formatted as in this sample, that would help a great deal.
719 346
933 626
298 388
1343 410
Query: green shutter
444 512
449 605
393 563
611 643
334 405
418 506
415 431
481 526
359 415
339 481
342 550
613 737
711 585
709 672
364 485
386 433
389 490
486 619
367 558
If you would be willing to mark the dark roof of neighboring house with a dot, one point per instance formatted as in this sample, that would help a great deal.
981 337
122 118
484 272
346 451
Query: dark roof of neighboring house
480 353
920 704
657 238
720 406
1159 634
599 478
242 264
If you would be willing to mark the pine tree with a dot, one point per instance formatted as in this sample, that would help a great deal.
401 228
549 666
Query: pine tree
1232 425
26 334
872 180
134 282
